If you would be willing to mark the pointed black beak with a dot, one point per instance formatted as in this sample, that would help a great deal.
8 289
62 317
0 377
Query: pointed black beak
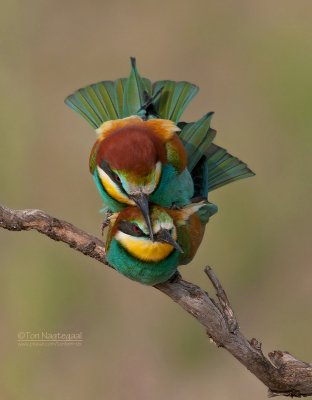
141 200
164 236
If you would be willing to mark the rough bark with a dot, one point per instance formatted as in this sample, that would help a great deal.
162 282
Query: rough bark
281 372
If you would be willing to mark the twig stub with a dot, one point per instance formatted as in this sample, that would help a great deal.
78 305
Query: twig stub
282 373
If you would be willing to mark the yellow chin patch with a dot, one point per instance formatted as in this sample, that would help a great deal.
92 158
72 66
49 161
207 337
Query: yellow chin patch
144 249
112 188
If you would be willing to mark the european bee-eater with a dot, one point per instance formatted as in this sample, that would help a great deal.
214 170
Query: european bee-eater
139 157
136 161
177 236
136 158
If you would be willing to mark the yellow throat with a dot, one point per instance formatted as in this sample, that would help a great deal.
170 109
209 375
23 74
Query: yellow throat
144 250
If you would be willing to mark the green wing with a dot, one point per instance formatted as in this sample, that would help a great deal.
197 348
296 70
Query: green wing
98 102
210 165
223 168
135 87
216 169
174 98
197 137
107 100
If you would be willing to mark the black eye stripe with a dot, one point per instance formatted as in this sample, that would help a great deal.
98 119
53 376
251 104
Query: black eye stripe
130 229
106 168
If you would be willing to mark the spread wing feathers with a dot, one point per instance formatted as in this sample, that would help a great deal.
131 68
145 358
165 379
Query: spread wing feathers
223 168
99 102
107 100
173 99
135 87
210 165
197 137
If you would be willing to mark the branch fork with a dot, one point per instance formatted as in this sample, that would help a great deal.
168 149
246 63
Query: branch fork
281 372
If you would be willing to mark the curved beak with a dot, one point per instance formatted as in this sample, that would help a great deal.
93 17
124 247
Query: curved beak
141 200
164 236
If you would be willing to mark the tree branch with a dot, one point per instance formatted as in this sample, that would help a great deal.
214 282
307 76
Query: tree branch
56 229
282 373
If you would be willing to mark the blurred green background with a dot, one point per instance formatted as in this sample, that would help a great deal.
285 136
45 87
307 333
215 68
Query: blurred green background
253 63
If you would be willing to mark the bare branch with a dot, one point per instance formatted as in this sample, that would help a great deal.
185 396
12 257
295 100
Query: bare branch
228 313
56 229
282 373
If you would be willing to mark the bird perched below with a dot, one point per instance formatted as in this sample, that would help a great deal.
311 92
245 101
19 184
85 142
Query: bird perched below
177 233
139 156
144 155
177 236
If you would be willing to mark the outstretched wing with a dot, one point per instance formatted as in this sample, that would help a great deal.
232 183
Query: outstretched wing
108 100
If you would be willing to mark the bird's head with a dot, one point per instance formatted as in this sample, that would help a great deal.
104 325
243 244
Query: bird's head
130 230
129 156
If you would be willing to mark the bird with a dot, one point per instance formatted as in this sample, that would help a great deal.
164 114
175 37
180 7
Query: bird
136 161
177 236
143 153
136 157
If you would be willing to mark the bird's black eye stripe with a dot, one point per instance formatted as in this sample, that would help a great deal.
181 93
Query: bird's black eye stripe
130 229
114 177
106 168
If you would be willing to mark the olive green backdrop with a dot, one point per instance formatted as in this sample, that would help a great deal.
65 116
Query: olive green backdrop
253 63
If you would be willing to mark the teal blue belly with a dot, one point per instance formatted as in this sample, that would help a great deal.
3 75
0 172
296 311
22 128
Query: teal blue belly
148 273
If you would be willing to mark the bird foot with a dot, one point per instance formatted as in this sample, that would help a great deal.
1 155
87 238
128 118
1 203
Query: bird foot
106 220
175 277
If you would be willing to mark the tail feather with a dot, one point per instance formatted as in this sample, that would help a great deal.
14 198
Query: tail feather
107 100
119 89
98 102
174 98
134 91
80 102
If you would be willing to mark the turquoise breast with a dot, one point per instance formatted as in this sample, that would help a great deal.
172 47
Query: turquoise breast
148 273
173 188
